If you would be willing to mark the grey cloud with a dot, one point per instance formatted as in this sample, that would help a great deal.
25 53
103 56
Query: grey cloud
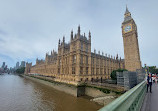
30 28
3 32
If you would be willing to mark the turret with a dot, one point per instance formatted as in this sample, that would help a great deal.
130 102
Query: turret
117 56
99 52
63 39
72 35
59 42
79 31
94 51
36 61
84 35
89 35
102 53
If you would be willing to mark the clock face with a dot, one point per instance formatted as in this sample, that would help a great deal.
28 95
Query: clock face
127 28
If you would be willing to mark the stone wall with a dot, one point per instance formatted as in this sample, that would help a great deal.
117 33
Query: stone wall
70 89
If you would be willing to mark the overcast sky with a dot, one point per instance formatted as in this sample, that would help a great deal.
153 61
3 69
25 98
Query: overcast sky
30 28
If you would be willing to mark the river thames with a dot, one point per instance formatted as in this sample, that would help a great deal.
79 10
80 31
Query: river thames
20 94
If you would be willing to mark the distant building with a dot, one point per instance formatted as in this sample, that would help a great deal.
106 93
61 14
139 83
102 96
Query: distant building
17 65
4 68
3 65
22 64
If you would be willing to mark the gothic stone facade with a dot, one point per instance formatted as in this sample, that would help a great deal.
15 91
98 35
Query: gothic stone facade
75 62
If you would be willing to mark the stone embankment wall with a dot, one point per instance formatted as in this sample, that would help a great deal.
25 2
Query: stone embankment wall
72 89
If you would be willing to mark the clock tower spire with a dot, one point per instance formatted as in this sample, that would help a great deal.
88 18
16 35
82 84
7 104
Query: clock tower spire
130 40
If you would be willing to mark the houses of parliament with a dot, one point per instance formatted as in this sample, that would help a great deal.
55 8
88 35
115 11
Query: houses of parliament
75 63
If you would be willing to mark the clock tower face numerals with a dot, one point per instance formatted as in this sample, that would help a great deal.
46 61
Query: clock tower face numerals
127 28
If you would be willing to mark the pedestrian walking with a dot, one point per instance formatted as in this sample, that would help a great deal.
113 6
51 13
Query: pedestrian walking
156 78
149 83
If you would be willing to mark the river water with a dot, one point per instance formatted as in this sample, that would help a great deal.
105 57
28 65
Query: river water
20 94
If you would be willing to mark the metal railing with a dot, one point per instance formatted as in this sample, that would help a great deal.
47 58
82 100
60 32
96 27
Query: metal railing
130 101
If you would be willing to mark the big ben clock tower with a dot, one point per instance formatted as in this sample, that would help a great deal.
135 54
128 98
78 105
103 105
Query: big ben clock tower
130 40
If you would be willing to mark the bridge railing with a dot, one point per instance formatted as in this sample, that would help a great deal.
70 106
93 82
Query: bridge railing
130 101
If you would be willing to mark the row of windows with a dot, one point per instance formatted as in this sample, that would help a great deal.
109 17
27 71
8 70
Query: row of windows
66 60
82 47
73 70
94 70
93 80
100 71
100 62
74 59
86 59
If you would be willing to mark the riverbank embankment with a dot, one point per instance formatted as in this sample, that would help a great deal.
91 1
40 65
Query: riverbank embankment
100 94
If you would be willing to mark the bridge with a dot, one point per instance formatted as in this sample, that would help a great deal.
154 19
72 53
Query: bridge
136 99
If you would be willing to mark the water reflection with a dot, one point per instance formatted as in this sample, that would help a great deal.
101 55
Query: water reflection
20 94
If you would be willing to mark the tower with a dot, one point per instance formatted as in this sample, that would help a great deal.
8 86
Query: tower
130 40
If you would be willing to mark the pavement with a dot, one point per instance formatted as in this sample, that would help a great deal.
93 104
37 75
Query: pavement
150 102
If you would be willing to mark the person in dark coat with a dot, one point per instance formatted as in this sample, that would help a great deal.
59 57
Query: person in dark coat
149 83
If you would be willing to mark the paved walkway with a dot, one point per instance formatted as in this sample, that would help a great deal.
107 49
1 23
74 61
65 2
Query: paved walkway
151 100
